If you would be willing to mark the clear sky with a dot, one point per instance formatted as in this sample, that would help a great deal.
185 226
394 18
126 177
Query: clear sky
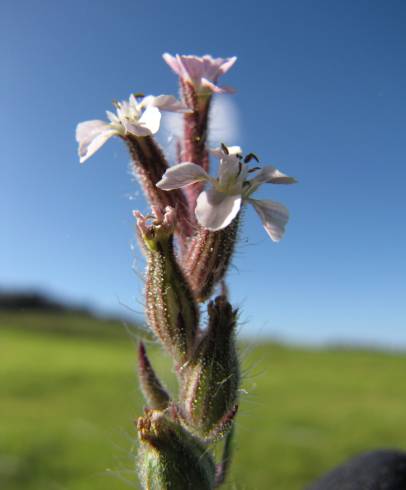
320 94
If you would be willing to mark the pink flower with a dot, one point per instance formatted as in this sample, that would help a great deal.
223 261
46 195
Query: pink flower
139 118
217 206
202 72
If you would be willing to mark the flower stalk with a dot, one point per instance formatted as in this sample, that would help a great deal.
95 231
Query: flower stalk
188 241
198 79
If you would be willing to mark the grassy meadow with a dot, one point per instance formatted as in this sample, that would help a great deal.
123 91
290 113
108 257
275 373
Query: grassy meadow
69 396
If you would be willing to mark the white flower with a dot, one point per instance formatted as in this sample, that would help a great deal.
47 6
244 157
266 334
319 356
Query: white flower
217 206
202 72
139 118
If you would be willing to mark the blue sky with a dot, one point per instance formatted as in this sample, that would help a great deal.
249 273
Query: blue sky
320 94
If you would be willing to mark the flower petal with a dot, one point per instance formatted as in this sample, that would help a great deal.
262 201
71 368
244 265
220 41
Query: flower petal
274 217
193 66
124 110
232 150
112 117
267 175
210 86
181 175
132 102
227 64
86 130
147 124
174 63
86 151
215 88
231 173
216 210
151 119
211 67
201 71
91 135
136 129
165 103
272 175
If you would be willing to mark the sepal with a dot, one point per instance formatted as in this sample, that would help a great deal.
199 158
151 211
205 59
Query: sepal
207 258
149 164
223 467
170 458
172 311
211 380
154 393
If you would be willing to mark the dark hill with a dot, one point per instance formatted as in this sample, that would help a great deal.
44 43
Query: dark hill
35 312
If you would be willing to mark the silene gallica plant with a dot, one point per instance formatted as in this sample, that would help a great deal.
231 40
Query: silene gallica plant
188 240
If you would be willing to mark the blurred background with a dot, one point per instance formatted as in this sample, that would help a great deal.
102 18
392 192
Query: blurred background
320 95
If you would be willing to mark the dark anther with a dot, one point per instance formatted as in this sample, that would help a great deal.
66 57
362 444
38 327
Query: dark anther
250 157
224 148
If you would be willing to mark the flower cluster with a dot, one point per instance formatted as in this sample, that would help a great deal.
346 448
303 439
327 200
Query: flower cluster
188 241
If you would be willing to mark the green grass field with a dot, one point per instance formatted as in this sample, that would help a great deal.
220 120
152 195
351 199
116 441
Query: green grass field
69 395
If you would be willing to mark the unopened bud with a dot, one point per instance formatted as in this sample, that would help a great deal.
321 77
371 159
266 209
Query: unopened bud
211 379
208 257
150 164
170 458
155 394
171 309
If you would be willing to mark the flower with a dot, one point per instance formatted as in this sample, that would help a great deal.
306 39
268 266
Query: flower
139 118
161 223
202 72
217 206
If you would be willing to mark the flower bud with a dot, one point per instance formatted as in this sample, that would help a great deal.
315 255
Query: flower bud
208 257
171 309
211 379
155 394
170 458
149 165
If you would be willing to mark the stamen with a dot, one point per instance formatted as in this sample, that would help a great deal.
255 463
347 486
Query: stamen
251 156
